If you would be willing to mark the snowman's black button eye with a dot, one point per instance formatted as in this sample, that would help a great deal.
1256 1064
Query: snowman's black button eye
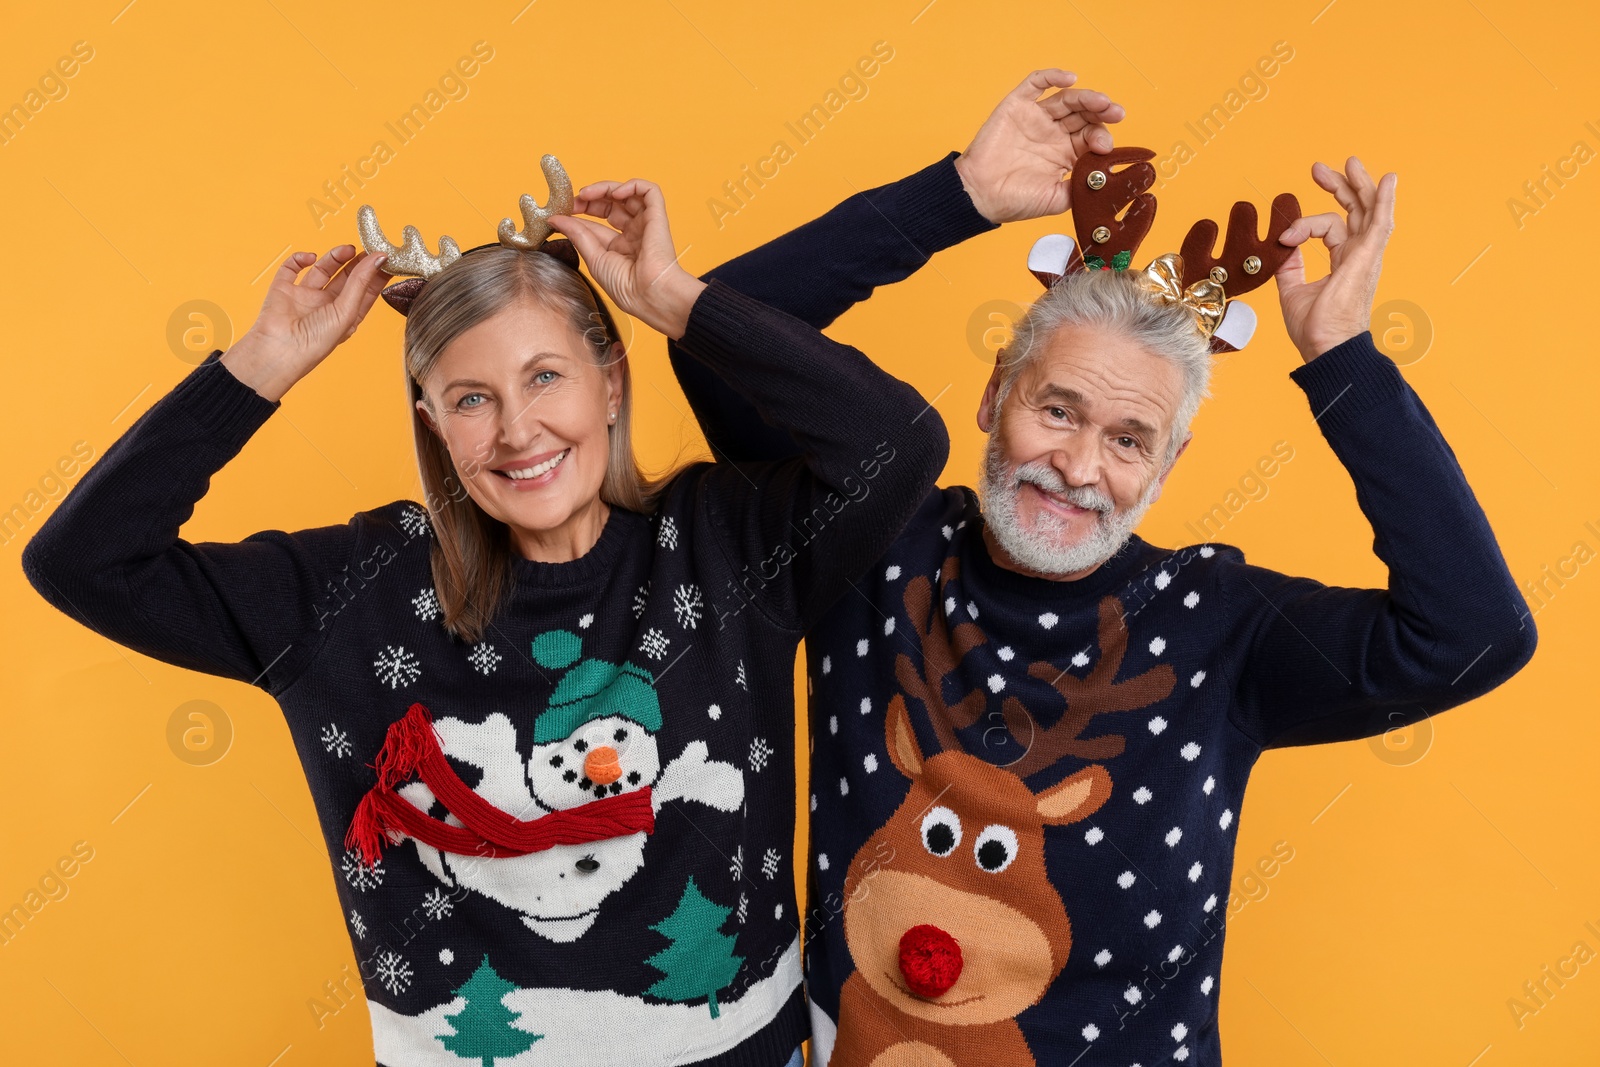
621 734
581 745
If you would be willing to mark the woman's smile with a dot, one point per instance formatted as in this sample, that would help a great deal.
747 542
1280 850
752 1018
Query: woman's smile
534 473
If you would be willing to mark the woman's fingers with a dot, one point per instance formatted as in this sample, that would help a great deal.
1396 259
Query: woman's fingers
323 270
290 269
337 283
360 287
590 238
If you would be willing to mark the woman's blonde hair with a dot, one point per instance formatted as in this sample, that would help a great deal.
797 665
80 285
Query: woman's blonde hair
473 553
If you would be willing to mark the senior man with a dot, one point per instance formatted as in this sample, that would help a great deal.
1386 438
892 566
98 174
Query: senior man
1032 729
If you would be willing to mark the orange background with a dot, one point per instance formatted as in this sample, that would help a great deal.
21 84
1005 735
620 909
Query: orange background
1433 873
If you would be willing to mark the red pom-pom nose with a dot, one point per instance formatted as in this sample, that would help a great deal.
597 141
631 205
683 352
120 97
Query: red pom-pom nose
930 960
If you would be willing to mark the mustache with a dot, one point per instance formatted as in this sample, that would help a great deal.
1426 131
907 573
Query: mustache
1047 478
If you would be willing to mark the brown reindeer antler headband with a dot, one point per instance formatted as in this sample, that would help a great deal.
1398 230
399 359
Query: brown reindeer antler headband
412 257
1206 286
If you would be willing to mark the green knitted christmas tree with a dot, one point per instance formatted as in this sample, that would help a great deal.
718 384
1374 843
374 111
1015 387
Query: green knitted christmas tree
700 961
483 1028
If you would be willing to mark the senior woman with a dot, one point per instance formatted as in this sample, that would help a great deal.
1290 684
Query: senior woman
547 719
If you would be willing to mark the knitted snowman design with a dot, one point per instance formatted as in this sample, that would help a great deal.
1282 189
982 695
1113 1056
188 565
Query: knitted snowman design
596 738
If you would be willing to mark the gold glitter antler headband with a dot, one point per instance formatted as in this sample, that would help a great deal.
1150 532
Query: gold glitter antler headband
412 257
1206 286
536 219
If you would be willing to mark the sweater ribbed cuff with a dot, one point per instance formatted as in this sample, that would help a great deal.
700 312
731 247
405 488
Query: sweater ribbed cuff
219 402
1347 380
718 331
935 209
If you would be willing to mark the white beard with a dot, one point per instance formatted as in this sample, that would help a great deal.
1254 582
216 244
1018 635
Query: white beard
1044 547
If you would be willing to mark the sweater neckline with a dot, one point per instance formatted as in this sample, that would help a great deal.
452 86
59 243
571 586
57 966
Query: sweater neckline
1008 583
622 528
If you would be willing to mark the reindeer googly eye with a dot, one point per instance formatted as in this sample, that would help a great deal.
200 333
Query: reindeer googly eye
995 848
941 831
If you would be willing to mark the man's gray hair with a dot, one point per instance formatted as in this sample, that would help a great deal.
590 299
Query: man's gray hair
1113 300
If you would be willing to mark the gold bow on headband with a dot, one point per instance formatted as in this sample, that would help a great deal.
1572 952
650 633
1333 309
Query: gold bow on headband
1205 298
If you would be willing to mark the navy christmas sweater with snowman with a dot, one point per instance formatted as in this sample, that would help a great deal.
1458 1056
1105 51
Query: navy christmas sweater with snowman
569 842
1025 793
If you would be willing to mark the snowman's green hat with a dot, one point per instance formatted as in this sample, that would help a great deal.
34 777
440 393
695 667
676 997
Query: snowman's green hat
593 689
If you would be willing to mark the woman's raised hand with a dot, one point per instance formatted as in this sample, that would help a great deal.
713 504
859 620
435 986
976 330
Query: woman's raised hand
634 262
305 318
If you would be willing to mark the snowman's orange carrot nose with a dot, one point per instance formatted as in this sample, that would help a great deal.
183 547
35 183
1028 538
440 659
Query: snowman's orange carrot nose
601 765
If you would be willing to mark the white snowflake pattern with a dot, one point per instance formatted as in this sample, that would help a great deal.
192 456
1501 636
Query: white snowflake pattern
396 667
393 972
769 863
360 876
654 643
739 679
446 956
667 536
744 908
822 861
687 605
414 521
336 741
760 752
436 905
358 924
484 658
586 621
736 865
427 604
641 600
1102 957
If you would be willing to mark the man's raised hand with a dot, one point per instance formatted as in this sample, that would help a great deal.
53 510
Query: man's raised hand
1014 166
1335 308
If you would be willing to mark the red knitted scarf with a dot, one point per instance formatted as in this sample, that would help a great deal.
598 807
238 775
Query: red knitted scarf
412 747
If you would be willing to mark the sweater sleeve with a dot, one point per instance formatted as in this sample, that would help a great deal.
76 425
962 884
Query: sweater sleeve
1325 663
796 532
819 271
110 556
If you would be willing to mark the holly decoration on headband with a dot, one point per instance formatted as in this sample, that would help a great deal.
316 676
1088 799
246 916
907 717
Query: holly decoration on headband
1119 261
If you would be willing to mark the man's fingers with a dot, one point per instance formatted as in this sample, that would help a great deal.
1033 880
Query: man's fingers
1041 80
1329 226
1072 101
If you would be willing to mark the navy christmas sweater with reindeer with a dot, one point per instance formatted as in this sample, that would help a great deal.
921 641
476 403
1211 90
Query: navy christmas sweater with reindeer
570 841
1025 793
